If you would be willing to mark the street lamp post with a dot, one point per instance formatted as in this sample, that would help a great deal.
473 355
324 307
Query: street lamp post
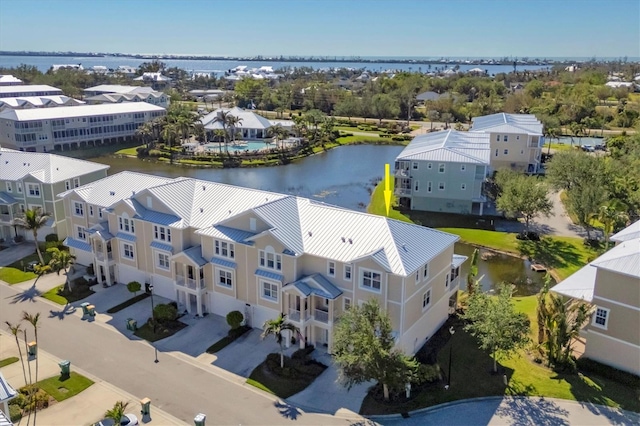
452 331
153 320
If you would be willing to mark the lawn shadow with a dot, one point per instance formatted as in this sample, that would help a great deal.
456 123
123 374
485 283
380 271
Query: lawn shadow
28 295
66 310
551 253
287 410
532 411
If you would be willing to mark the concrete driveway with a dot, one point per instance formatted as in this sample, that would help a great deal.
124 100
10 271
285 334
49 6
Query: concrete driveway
335 397
246 353
15 252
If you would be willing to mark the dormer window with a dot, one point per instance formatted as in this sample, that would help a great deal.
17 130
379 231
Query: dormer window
78 209
270 260
125 224
224 249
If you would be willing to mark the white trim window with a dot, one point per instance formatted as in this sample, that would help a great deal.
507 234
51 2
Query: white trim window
506 152
370 280
441 186
506 138
81 233
347 273
425 272
67 185
600 318
331 268
34 189
126 225
99 212
224 277
127 251
429 186
160 233
446 281
414 165
416 186
269 290
76 182
270 260
9 187
463 167
224 249
346 304
497 138
19 187
90 210
163 261
429 166
418 276
463 186
441 168
78 209
426 300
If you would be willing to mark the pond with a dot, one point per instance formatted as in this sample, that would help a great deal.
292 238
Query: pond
498 268
342 176
345 177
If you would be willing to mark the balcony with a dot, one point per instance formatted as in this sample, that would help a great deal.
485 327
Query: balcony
5 217
403 191
101 256
320 315
190 283
402 173
298 316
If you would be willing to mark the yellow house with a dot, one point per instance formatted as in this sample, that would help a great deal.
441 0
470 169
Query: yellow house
611 283
216 248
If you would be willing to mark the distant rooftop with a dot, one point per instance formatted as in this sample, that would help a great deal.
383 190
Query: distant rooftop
449 146
78 111
503 122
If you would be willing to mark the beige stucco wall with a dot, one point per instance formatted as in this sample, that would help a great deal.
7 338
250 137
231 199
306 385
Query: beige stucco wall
613 352
618 287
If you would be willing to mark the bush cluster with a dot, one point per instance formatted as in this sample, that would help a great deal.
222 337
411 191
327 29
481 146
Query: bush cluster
299 365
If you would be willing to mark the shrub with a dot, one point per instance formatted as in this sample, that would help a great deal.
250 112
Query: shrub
591 366
234 319
164 312
54 244
41 269
18 239
428 373
134 287
15 413
51 238
303 353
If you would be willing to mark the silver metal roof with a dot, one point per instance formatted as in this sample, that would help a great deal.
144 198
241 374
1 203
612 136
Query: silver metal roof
449 146
47 168
78 111
630 232
315 284
250 120
517 123
6 391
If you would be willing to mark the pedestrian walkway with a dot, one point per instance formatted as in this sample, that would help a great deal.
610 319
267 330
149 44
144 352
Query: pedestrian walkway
88 406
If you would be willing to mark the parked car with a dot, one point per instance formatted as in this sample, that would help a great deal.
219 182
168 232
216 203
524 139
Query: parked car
32 265
588 148
599 147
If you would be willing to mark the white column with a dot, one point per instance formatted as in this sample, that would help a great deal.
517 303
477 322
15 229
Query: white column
6 409
199 304
303 336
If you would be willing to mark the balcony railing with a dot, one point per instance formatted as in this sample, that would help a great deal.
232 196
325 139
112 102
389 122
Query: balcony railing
320 315
402 172
403 191
189 282
101 257
298 316
5 217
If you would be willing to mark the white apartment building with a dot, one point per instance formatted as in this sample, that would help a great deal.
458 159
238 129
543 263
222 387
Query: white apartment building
217 248
28 102
9 80
17 91
71 127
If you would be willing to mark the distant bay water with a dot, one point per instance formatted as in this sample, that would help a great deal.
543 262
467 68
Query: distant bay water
218 67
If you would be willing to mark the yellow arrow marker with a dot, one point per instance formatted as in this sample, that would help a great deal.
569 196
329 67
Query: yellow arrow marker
387 189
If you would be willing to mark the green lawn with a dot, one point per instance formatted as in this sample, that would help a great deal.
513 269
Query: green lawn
377 205
281 386
558 147
61 388
14 276
345 140
20 264
129 151
146 331
8 361
78 293
356 130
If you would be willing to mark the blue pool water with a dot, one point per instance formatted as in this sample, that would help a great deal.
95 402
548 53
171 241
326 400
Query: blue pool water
251 146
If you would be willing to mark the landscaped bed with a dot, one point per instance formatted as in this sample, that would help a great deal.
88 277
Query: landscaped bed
62 296
8 361
128 303
299 372
162 330
233 335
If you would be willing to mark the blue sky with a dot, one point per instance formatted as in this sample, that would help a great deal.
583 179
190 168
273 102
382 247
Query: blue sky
466 28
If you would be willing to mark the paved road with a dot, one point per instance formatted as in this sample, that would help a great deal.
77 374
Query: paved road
519 411
177 384
559 223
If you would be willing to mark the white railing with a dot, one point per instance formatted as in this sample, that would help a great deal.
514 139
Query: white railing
5 217
320 315
189 282
298 316
402 172
403 191
101 257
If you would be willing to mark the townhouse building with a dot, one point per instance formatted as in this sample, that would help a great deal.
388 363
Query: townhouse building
27 102
20 90
9 80
611 285
115 93
31 180
71 127
516 140
443 172
216 248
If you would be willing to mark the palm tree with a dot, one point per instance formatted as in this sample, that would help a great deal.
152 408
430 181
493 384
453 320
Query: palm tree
33 220
234 122
277 132
473 271
609 215
117 412
145 132
33 319
61 260
277 327
222 117
221 135
15 330
169 132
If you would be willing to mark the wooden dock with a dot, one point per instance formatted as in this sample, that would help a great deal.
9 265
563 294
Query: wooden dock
538 267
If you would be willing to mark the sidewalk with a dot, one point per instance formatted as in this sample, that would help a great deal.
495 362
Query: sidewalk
88 406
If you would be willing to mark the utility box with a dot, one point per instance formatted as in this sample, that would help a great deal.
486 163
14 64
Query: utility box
65 368
32 348
91 309
199 419
132 324
145 407
84 306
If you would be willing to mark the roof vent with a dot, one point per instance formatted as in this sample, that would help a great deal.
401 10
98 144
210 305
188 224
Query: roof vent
343 239
133 192
310 234
404 247
204 187
350 241
112 193
201 210
229 211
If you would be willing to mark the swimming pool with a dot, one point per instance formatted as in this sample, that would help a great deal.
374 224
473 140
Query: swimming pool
251 146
